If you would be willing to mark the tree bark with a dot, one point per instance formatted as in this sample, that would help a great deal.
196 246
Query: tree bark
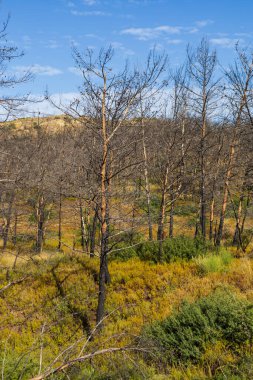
172 207
211 218
104 215
14 236
60 222
93 231
237 233
8 221
225 195
40 224
147 185
160 231
203 175
82 225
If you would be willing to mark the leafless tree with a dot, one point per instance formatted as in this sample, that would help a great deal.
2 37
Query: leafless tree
203 92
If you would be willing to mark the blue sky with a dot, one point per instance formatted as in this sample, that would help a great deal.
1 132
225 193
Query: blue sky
46 30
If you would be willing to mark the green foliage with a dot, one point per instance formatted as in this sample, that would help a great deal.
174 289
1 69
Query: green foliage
125 246
155 202
246 237
185 209
214 262
24 237
120 368
241 370
178 248
183 337
13 366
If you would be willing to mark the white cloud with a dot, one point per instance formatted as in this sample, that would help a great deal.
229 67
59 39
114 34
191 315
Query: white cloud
39 105
119 46
90 13
90 2
150 33
225 42
191 30
145 34
39 70
169 29
203 23
27 41
174 42
46 108
144 2
71 41
74 70
52 44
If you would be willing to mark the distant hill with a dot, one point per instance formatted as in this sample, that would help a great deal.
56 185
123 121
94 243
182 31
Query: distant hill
49 123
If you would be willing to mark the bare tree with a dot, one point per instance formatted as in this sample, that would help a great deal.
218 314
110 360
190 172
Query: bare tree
203 93
239 86
10 104
107 101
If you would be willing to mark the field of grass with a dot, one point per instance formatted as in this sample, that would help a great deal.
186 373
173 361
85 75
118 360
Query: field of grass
48 305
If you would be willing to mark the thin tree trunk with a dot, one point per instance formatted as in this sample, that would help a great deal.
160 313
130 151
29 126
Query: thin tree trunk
147 185
87 230
8 221
132 224
14 236
104 216
225 195
160 230
93 232
40 224
60 222
237 233
82 224
172 208
211 218
245 212
203 190
182 168
212 203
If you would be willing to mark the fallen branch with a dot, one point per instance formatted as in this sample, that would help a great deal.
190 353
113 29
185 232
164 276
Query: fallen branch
81 359
11 283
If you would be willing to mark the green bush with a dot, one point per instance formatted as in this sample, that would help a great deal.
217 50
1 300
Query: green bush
214 262
178 248
185 209
125 246
241 370
182 337
122 252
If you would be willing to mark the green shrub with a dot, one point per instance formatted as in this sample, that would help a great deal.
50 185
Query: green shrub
125 246
155 203
182 337
185 209
178 248
122 252
214 262
241 370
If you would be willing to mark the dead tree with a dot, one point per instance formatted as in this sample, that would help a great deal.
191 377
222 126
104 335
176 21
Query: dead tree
239 84
108 100
203 94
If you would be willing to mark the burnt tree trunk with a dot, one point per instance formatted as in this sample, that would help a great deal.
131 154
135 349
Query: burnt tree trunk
93 231
225 195
40 214
147 185
82 225
60 222
160 231
8 221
